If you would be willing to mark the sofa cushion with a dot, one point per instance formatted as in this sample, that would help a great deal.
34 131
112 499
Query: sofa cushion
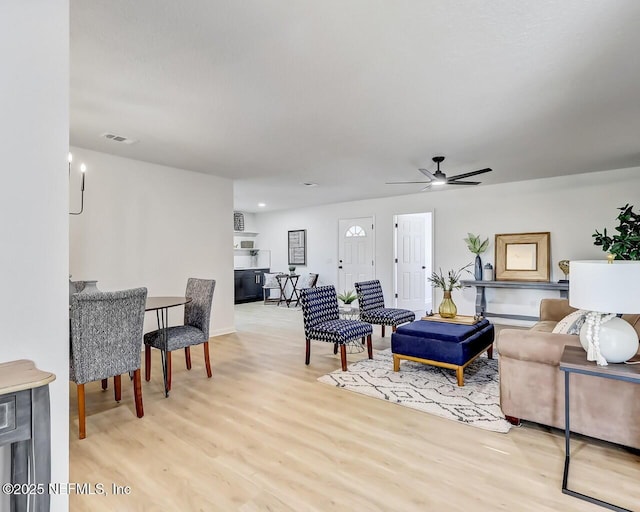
543 326
571 323
534 346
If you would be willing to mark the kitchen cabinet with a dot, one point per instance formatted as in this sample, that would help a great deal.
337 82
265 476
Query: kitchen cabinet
248 284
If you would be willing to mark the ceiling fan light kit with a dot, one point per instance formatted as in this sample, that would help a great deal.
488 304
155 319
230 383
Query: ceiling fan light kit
439 178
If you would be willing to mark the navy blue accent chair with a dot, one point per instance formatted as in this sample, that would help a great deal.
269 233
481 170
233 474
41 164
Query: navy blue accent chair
323 323
372 310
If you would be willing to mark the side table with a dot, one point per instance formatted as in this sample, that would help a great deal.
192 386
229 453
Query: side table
25 423
285 296
574 360
349 312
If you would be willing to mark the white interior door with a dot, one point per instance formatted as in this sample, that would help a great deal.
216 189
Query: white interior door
355 252
413 237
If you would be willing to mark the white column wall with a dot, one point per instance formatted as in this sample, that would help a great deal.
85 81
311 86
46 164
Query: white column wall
34 134
155 226
570 207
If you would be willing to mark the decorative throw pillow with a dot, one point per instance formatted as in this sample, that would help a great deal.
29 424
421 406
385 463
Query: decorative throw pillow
270 281
571 323
304 281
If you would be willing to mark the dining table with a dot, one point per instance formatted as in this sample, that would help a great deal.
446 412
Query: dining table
161 306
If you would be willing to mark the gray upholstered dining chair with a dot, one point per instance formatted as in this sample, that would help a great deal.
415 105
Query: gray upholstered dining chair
106 330
197 315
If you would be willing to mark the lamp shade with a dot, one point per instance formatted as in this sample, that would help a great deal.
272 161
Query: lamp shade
605 287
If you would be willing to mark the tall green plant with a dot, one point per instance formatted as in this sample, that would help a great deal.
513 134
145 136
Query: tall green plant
626 244
475 245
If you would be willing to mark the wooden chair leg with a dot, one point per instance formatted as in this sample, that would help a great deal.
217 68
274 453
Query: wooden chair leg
308 355
117 387
343 357
168 370
383 331
187 357
490 351
82 420
105 383
369 347
335 348
513 420
207 361
147 363
137 393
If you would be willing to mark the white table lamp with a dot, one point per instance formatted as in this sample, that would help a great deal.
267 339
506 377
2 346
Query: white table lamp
606 288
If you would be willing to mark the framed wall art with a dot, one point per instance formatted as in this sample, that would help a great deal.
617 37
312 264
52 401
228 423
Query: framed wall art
522 257
297 249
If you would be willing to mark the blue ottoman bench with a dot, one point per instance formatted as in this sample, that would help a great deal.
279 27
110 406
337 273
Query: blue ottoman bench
442 344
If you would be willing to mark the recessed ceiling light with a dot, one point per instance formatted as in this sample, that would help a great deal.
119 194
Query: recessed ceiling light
309 184
261 205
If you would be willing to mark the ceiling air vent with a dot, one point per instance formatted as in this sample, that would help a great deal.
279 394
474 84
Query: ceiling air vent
118 138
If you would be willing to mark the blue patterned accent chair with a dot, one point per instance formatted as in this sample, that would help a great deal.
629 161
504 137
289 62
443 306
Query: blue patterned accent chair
322 323
372 310
106 330
197 316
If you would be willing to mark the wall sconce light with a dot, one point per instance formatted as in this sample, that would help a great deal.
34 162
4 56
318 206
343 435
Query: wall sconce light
83 170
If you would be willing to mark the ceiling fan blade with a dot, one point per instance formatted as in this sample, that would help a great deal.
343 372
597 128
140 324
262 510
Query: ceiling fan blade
428 174
463 182
405 182
468 174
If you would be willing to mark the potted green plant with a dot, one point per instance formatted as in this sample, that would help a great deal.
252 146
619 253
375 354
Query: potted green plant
347 297
626 244
477 247
447 284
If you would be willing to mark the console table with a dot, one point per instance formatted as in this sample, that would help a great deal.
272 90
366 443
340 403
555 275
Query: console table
481 300
25 424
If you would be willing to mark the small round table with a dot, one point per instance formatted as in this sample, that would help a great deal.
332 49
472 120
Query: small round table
161 306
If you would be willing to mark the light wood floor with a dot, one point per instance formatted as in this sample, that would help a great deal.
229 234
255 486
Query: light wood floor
263 434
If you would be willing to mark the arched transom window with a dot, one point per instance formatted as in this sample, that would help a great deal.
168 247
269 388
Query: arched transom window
356 231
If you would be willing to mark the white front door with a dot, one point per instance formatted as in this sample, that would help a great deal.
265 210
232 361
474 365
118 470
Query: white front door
355 252
413 261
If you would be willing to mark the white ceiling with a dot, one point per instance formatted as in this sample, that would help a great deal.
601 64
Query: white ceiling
350 94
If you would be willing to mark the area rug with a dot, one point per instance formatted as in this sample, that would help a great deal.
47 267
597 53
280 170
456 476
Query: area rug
430 389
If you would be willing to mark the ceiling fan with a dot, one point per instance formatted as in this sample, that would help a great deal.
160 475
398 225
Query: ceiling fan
440 178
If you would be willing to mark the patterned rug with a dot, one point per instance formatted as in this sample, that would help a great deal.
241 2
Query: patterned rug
429 388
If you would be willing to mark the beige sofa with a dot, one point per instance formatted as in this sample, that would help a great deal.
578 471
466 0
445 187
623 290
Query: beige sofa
532 385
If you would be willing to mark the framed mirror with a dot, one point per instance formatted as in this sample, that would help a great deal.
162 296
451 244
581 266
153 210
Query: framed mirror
522 257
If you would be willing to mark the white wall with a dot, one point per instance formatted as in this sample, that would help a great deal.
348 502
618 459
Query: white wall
155 226
571 208
34 132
